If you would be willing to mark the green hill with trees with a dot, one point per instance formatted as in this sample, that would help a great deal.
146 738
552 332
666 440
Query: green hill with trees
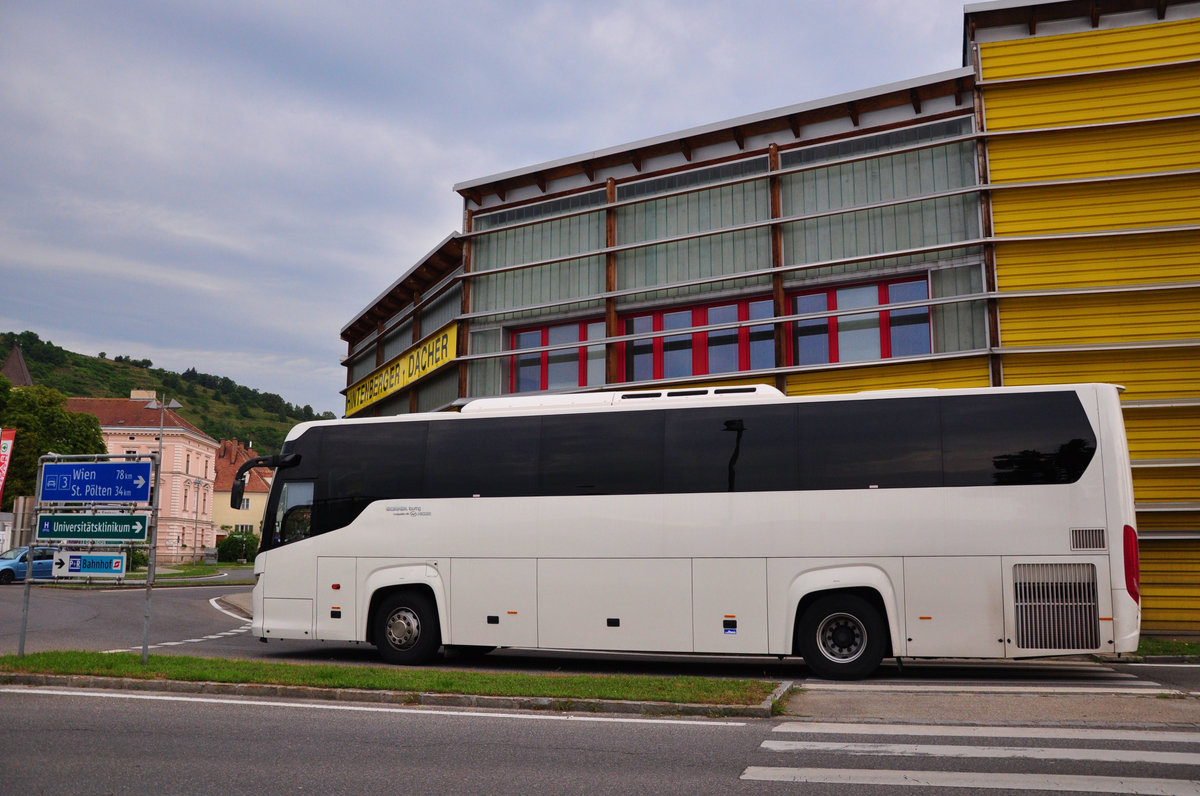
217 405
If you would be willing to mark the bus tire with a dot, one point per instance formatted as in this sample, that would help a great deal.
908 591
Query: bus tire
842 637
406 629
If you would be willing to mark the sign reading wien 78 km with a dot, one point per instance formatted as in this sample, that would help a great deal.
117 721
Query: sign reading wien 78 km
96 482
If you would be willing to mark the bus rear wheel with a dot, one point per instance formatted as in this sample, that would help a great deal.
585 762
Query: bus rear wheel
842 637
406 629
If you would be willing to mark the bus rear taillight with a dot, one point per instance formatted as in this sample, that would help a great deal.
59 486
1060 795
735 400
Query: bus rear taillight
1133 570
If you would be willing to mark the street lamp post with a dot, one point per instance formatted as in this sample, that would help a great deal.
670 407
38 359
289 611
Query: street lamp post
197 484
162 408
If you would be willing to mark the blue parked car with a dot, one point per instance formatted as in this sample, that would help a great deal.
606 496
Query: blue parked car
13 563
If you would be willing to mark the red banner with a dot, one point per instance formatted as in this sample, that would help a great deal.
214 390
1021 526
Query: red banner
7 436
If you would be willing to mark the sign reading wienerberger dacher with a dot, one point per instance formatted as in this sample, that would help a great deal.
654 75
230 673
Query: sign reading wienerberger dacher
413 365
95 527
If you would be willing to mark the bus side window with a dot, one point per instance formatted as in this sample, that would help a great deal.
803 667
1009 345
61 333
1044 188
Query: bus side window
293 520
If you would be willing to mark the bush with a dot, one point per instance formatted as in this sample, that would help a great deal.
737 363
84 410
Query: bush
237 545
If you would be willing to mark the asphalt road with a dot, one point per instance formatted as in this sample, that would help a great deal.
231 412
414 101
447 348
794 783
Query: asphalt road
96 742
946 727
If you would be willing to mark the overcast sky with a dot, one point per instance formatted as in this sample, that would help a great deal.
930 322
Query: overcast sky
224 185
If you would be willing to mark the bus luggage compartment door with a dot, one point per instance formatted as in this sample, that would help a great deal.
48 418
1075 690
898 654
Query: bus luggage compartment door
615 604
336 614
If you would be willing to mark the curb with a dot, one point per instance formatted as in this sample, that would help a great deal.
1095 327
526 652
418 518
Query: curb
765 709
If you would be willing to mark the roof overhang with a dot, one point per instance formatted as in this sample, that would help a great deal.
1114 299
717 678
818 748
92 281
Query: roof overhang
794 117
429 270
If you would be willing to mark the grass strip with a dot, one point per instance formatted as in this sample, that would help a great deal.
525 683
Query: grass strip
1167 646
679 690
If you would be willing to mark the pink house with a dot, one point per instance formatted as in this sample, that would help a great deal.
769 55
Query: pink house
185 512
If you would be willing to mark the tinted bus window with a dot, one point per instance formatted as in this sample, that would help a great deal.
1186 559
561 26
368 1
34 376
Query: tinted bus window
614 453
493 457
733 449
880 444
1016 439
361 463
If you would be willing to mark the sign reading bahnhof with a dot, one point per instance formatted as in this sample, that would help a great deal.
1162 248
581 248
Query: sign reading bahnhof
414 364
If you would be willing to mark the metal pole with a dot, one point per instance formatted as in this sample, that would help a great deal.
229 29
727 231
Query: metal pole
197 483
29 566
154 504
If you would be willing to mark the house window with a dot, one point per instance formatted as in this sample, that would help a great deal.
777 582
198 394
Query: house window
878 332
563 368
738 348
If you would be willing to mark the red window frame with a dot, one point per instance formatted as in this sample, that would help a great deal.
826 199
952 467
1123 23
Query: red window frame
700 364
544 356
880 309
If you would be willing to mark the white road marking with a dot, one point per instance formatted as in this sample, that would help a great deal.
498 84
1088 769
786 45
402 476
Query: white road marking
929 688
299 705
979 780
989 752
969 731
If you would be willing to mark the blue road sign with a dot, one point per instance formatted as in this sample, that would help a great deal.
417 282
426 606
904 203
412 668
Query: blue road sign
69 564
96 482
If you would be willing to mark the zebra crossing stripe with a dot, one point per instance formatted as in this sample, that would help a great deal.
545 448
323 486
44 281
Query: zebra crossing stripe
990 752
971 731
977 780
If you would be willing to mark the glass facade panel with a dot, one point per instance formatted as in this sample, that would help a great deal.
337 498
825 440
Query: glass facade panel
677 349
762 338
639 354
595 355
858 335
723 344
811 338
563 365
529 366
908 329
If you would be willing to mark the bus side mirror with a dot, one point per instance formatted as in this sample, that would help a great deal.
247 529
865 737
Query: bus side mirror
279 461
235 494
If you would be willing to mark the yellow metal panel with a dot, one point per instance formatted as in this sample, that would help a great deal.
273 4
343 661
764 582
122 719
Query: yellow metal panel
1065 154
1170 585
1166 484
943 373
1093 99
1100 318
1157 43
1172 521
1155 374
1127 204
1091 262
1163 433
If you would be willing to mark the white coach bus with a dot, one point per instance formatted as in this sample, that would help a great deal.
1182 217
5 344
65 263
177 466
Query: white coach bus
987 523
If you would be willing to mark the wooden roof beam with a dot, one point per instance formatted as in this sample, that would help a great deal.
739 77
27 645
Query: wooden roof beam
739 136
915 99
793 121
685 149
852 110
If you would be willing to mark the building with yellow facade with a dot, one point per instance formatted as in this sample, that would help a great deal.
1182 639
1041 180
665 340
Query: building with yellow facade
1030 218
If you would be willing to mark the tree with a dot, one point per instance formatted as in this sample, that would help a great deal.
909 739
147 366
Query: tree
43 424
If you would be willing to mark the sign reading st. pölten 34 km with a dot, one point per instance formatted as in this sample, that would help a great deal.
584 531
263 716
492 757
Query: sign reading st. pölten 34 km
96 482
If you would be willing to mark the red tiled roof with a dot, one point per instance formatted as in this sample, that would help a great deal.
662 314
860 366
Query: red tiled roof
230 456
126 413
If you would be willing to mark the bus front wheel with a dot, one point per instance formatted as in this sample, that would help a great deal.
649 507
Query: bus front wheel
842 637
406 629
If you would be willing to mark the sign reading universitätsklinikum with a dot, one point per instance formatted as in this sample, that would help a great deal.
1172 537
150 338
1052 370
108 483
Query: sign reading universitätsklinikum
413 365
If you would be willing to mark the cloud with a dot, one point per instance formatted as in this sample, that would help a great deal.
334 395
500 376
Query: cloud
225 184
